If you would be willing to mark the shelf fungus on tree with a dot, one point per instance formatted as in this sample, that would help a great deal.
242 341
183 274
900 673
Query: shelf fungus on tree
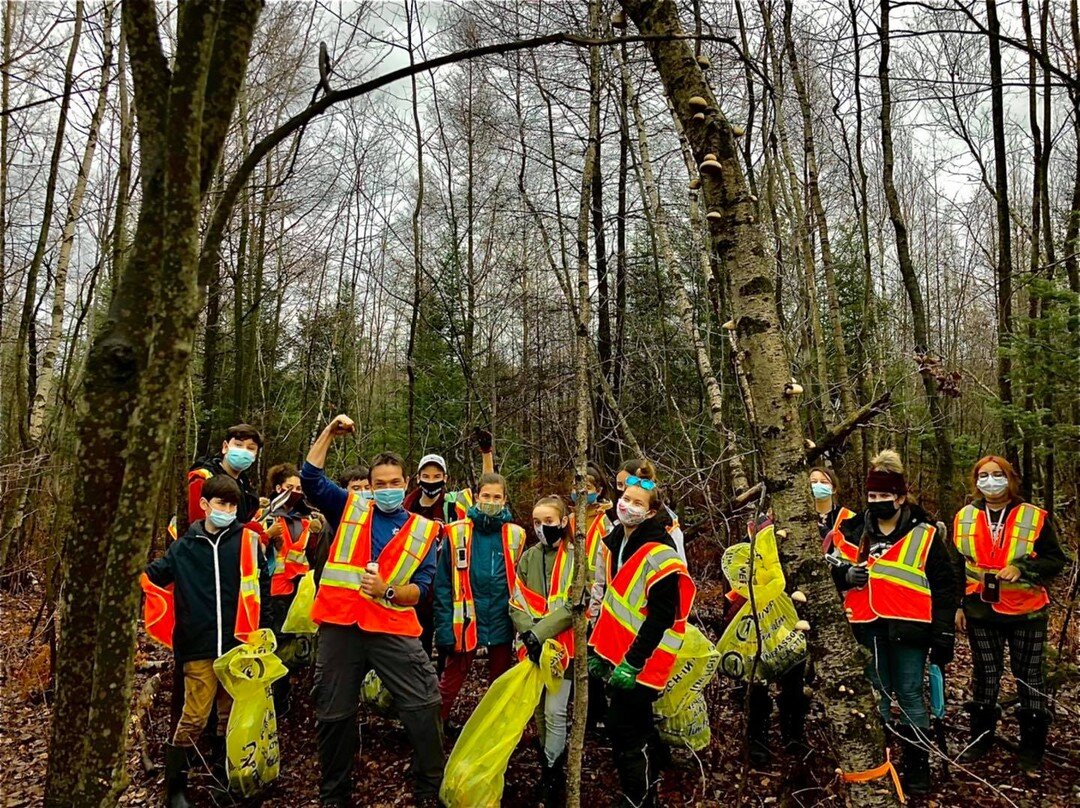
729 325
798 596
714 216
843 688
738 130
809 444
793 388
802 625
698 103
781 534
704 62
699 116
695 183
618 19
710 163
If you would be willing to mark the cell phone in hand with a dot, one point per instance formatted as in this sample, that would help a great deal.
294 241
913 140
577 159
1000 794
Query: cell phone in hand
991 588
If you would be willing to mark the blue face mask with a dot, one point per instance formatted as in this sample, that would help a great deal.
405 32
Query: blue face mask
239 459
592 499
821 490
221 518
389 500
366 495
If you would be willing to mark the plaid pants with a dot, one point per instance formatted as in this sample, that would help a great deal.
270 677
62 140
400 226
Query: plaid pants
1026 640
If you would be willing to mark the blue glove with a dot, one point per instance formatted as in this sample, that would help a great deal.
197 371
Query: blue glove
624 677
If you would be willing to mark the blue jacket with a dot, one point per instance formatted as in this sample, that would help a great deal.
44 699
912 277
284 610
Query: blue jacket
487 574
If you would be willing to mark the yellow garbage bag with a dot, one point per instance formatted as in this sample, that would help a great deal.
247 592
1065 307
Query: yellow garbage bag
695 667
374 694
298 619
782 645
247 672
689 728
474 773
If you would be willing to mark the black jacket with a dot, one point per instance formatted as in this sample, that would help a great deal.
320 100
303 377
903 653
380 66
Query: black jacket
662 602
942 572
206 572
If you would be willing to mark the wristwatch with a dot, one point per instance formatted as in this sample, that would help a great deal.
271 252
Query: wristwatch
388 595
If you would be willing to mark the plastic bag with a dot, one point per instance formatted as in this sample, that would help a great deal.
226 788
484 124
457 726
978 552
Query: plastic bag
689 728
476 767
298 619
374 694
247 672
297 650
695 667
782 646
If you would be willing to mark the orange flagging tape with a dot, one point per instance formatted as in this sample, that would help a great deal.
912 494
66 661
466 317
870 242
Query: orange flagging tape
886 768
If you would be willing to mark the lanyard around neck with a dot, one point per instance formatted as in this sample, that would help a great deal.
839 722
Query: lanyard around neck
998 527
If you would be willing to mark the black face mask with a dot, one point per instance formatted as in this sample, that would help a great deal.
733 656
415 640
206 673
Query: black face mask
432 489
295 498
551 535
883 510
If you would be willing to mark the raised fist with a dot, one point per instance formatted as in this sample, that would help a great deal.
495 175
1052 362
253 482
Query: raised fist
341 425
482 437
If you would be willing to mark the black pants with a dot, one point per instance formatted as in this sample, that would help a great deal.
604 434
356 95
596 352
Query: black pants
1026 640
345 655
792 702
279 609
632 729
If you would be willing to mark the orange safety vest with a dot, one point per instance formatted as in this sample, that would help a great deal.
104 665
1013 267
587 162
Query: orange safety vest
625 605
981 553
830 539
459 535
537 606
856 601
599 528
159 609
898 586
340 599
292 560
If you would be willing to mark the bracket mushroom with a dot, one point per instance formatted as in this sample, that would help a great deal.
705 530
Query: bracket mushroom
704 62
710 164
618 19
793 388
698 103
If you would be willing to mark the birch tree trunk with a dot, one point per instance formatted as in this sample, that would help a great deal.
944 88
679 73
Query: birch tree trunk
855 730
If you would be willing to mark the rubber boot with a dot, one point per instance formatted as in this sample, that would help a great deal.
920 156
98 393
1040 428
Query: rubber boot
635 778
983 718
757 726
176 775
793 704
555 789
218 767
1034 724
915 766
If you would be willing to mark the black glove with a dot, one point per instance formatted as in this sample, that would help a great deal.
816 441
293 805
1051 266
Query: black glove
857 576
533 646
942 646
483 440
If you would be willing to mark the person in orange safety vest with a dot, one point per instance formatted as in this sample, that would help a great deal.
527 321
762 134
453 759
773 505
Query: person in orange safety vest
1010 554
908 586
203 598
639 632
381 564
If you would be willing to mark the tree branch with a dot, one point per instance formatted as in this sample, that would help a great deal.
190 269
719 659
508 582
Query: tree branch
835 436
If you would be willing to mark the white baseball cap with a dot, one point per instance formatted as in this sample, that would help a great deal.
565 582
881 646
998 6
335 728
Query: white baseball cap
432 458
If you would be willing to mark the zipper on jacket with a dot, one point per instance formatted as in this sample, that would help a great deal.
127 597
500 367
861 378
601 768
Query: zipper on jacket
217 586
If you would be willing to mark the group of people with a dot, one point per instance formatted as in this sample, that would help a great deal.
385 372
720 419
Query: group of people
413 580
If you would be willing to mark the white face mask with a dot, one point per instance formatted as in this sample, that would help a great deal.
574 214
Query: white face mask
631 515
993 486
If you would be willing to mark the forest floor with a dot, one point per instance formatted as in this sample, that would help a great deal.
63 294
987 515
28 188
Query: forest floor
718 776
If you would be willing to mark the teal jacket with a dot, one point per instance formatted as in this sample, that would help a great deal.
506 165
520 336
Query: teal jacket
487 574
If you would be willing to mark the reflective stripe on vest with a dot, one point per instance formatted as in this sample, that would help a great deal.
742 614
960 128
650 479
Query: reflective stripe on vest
599 528
247 610
982 554
459 534
538 606
625 603
898 585
339 599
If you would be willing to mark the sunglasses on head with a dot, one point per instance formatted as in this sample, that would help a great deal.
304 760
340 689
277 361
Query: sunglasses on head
647 485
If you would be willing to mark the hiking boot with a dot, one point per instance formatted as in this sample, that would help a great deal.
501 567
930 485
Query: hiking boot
915 766
1034 725
757 726
983 718
555 787
176 776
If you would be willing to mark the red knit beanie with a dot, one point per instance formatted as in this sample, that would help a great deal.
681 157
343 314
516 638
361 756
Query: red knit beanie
887 482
